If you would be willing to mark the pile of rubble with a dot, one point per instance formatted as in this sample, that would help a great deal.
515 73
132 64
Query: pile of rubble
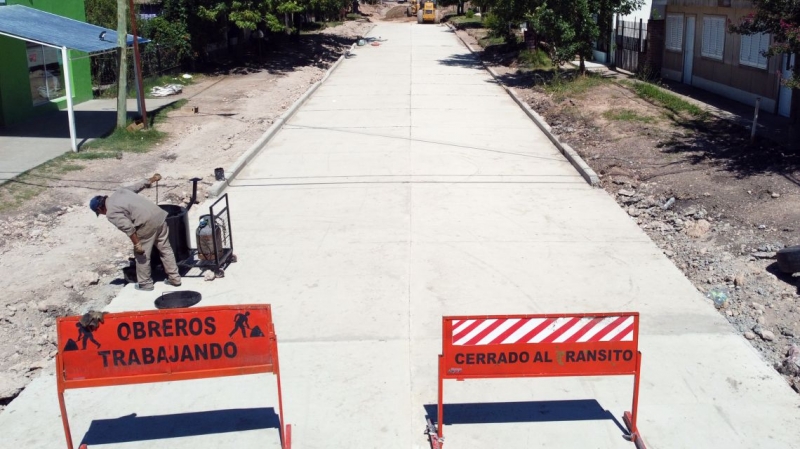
731 264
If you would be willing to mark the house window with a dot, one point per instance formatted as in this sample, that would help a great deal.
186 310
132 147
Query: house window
713 37
45 73
752 48
674 38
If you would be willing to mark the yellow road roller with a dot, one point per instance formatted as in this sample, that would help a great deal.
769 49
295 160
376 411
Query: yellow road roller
428 13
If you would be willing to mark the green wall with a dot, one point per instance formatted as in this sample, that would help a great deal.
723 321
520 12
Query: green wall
16 104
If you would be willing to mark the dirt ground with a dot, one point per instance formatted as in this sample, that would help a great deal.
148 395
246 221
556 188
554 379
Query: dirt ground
717 205
57 258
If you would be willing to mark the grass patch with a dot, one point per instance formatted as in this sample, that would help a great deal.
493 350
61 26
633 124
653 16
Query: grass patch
67 167
572 84
491 40
30 184
124 141
627 115
534 60
353 16
15 192
673 103
464 22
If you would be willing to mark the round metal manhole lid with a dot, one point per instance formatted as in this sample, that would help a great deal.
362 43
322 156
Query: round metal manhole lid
178 300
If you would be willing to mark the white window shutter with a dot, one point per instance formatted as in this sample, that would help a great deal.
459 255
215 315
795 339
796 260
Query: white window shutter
752 47
713 37
674 32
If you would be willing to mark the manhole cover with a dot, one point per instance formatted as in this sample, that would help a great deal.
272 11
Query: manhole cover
178 300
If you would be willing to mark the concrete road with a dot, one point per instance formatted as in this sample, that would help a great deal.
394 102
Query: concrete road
410 187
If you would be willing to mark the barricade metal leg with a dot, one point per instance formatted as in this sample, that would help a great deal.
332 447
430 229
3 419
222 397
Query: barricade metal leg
64 419
60 385
440 406
434 432
285 433
630 417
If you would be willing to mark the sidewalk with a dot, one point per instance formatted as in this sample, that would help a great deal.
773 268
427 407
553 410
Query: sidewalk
770 126
26 145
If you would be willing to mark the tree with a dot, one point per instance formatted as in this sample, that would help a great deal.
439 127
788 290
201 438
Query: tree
781 19
571 26
102 13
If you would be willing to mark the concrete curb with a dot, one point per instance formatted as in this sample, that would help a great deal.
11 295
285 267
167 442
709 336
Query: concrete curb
572 156
218 187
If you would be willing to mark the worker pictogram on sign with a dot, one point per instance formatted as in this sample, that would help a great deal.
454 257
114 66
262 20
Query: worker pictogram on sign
485 347
100 349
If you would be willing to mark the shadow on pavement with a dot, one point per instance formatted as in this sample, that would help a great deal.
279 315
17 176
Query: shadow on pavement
462 60
88 124
531 411
283 55
142 428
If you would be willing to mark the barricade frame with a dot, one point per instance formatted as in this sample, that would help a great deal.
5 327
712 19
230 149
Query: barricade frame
436 432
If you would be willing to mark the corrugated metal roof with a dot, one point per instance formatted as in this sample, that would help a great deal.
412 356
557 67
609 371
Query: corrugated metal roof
31 24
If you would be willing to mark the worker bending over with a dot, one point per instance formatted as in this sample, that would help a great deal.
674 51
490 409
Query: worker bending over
145 224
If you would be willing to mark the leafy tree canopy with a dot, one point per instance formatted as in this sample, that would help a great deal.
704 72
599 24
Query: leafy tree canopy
781 19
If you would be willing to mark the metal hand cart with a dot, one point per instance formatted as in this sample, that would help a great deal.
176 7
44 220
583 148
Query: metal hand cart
217 252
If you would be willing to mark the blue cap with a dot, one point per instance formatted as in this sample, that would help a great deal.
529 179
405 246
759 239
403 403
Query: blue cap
96 203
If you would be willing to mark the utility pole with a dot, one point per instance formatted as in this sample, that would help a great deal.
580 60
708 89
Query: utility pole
122 79
137 62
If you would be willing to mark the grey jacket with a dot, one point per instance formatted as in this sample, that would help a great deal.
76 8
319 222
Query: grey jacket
131 212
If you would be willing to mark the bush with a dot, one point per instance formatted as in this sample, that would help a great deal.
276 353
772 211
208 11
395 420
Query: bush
535 59
495 24
470 14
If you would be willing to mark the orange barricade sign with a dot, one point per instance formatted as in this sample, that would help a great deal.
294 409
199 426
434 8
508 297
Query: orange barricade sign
484 347
166 345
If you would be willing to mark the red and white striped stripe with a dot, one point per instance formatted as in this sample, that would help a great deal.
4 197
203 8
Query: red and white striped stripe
506 331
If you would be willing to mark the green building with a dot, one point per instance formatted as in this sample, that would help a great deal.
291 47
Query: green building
32 75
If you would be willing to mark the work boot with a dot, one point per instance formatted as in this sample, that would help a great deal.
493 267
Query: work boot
173 283
144 288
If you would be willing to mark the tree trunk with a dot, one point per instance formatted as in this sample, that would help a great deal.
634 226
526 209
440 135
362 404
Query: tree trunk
582 67
122 80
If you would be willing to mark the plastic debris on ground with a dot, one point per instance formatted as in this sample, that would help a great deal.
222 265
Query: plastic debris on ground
165 91
718 296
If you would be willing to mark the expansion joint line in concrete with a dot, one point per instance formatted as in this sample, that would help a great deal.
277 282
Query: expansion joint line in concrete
410 221
572 156
218 187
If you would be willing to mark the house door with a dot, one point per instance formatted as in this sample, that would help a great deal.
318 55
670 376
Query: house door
688 51
785 98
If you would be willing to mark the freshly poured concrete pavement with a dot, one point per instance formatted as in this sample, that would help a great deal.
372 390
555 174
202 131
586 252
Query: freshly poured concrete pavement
410 186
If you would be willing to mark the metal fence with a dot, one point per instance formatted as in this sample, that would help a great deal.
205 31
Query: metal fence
156 59
631 45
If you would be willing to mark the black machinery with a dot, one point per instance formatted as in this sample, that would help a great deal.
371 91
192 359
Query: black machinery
213 235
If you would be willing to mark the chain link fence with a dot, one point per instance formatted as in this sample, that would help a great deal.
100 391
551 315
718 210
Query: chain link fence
157 60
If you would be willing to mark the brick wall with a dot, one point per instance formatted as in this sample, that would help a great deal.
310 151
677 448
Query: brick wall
654 57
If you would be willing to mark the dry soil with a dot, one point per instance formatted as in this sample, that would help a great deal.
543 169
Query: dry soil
57 258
